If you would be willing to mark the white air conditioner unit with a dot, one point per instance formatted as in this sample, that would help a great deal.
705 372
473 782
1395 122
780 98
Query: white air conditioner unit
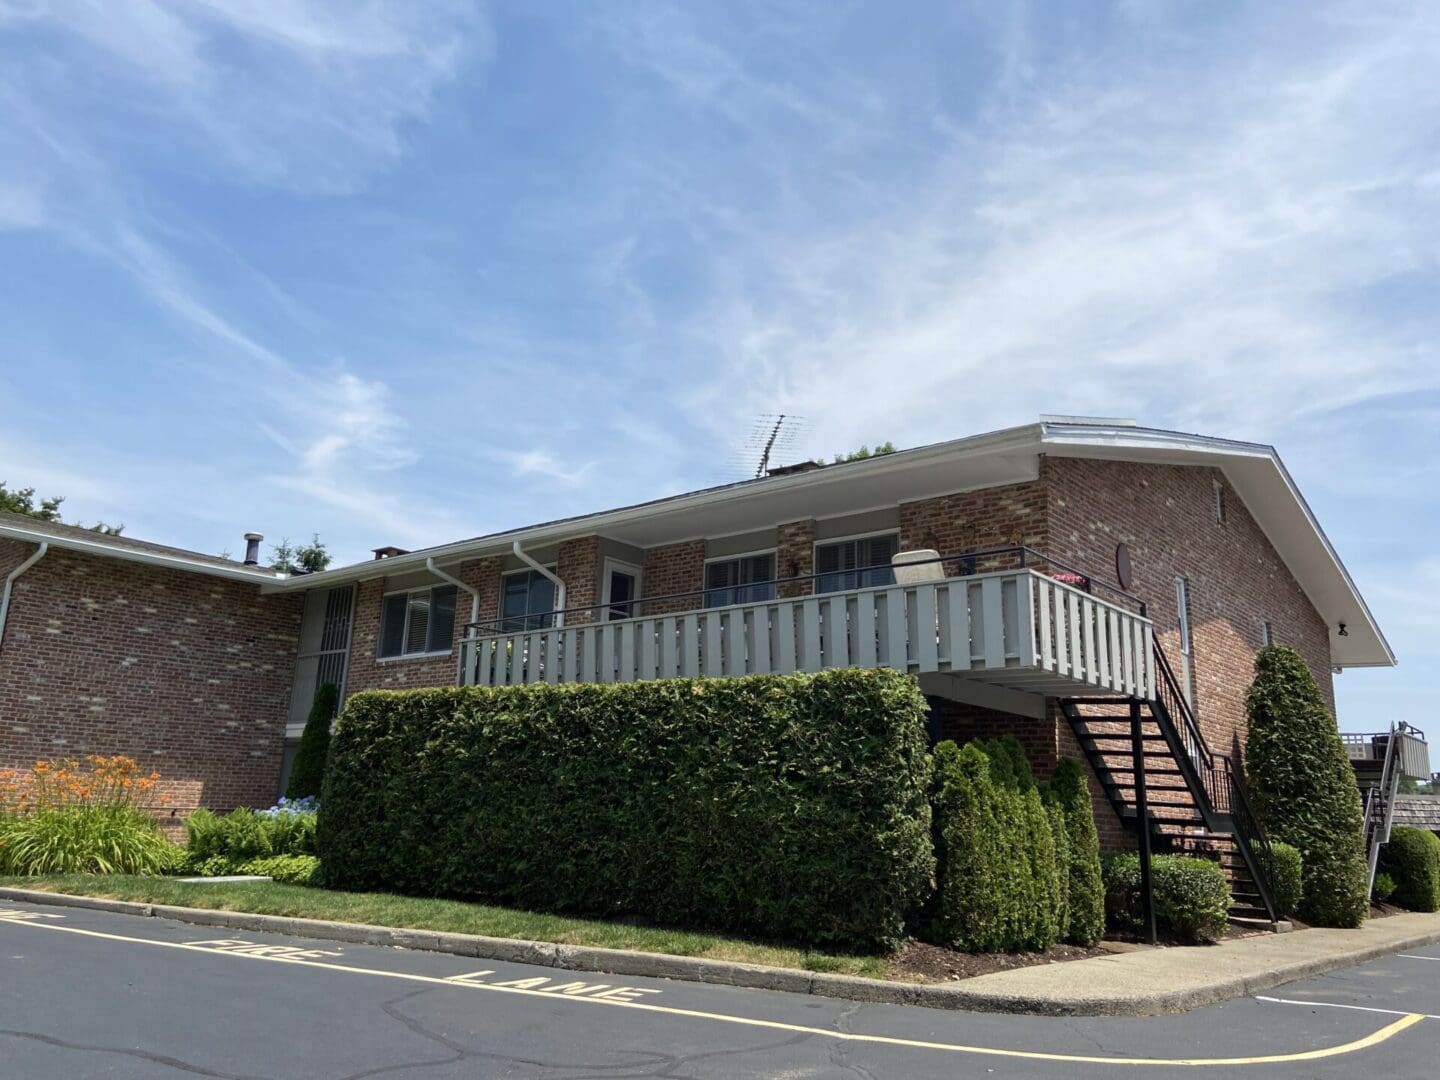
917 567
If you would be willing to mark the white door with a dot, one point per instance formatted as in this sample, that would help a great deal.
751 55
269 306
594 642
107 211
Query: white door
620 590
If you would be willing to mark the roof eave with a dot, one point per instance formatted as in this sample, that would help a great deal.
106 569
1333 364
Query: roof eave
149 558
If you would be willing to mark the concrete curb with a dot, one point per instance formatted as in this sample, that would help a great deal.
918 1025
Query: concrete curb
755 976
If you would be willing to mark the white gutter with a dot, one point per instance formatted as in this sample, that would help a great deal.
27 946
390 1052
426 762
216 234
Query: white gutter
559 585
253 575
10 581
474 592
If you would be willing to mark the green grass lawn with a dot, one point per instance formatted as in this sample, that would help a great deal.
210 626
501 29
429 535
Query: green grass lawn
384 909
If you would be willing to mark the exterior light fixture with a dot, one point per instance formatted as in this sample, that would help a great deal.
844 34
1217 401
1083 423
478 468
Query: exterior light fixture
1343 631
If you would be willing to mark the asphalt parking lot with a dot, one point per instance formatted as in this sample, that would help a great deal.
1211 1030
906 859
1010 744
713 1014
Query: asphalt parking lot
91 994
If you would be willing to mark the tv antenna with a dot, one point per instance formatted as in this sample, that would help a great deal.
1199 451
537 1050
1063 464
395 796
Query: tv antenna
772 436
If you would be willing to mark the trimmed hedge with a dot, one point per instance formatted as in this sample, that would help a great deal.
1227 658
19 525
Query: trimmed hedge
1289 878
1412 859
1085 892
1304 788
1000 885
1192 899
787 806
307 773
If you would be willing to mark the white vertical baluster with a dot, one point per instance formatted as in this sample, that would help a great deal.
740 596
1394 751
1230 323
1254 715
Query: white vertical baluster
626 630
757 638
710 643
1092 664
1025 617
990 600
1072 617
897 641
735 653
1045 629
960 659
786 616
809 646
648 653
926 641
865 630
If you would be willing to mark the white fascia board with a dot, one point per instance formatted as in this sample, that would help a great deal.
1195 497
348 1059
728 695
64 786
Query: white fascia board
149 558
1288 522
1011 442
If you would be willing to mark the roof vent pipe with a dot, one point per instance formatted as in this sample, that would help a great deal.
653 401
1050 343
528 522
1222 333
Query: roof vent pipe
252 549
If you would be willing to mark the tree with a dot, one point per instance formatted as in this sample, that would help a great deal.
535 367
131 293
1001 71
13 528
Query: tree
1304 788
1070 792
864 452
308 558
22 501
307 774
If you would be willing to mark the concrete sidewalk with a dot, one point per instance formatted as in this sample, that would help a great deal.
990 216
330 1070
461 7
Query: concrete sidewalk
1143 982
1149 982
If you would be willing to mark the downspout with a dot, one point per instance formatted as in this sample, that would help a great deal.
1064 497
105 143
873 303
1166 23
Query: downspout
474 607
559 585
10 581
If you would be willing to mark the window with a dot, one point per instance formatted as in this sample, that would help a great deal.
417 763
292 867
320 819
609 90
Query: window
856 564
1267 633
1219 502
748 579
1187 666
527 601
418 622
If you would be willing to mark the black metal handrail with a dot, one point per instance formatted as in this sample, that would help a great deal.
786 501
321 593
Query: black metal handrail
1221 779
1023 553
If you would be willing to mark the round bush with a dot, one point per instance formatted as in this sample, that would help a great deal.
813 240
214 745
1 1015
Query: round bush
1384 887
1289 878
1192 898
1304 788
1412 859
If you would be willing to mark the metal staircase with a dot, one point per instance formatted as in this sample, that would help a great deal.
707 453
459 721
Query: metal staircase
1154 765
1380 791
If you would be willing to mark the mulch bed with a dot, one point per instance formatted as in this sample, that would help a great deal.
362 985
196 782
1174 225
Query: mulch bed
919 961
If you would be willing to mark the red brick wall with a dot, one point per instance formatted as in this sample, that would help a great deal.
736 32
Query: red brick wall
368 672
1014 515
1166 516
795 556
578 565
674 568
188 674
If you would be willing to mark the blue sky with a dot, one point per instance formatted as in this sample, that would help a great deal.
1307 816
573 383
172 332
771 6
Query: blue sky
405 272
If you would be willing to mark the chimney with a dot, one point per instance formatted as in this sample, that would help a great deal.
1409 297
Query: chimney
389 552
252 549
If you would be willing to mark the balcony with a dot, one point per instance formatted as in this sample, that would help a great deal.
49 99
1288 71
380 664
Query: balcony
1017 629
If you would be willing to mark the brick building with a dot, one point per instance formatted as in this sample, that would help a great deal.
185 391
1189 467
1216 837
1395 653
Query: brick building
206 668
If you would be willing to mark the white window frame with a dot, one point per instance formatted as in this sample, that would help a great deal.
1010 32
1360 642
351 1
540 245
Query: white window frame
501 617
705 590
405 634
609 564
1187 638
818 544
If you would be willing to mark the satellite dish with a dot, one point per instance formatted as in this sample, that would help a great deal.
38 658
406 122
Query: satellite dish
1123 573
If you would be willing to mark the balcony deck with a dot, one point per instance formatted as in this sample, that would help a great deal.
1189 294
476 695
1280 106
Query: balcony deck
1017 629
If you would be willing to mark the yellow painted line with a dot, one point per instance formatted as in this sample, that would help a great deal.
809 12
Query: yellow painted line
1373 1039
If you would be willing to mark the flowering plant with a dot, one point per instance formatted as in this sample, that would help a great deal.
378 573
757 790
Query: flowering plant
307 805
67 782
